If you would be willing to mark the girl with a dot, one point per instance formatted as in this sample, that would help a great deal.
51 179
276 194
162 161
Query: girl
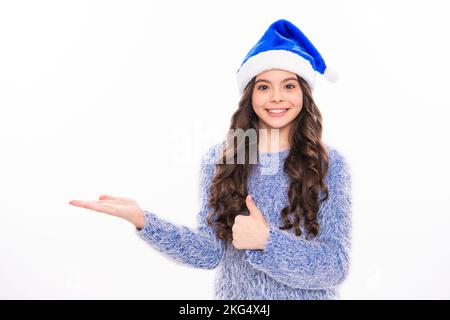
281 235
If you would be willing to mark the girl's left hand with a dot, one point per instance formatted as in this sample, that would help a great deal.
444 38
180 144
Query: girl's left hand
252 231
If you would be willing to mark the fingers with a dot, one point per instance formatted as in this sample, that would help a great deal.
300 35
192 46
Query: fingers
104 202
108 197
80 203
95 205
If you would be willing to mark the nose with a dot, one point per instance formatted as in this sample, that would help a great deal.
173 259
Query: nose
277 96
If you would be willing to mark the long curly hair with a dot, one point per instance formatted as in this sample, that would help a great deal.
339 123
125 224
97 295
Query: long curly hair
306 166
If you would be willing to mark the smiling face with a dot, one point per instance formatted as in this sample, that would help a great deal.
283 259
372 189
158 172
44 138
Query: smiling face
277 99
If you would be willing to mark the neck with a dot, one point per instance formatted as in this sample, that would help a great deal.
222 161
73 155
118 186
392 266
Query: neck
273 140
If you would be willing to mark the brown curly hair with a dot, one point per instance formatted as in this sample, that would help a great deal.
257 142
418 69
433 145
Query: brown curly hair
306 166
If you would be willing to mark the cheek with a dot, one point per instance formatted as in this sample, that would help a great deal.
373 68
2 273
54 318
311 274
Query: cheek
258 101
298 101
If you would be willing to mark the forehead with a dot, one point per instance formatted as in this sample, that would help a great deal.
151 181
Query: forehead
276 74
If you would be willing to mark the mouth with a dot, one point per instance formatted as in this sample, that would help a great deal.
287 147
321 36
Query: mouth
277 112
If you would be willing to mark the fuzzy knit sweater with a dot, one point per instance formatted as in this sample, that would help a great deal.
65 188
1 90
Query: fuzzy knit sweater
290 267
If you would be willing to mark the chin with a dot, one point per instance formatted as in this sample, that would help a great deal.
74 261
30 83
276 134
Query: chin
274 124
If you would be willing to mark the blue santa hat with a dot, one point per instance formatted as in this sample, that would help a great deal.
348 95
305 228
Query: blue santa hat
284 46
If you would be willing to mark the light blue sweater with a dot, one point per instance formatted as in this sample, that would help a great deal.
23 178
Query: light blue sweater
290 267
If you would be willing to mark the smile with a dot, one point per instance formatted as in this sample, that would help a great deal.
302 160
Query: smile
277 112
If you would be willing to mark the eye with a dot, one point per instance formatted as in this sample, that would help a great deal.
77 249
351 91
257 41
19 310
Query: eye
259 88
290 84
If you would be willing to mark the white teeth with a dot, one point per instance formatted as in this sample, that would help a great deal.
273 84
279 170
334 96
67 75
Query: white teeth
277 110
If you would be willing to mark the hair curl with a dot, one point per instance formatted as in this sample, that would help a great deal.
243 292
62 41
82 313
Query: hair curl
306 166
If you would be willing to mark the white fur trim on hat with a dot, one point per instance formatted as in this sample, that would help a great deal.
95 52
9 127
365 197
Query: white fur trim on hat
275 59
331 75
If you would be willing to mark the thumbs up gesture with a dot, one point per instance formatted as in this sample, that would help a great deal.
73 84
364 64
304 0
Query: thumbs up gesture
252 231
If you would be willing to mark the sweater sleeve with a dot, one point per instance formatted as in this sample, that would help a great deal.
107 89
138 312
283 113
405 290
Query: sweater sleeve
322 262
199 248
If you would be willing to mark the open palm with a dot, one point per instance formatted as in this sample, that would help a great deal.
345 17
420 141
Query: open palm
121 207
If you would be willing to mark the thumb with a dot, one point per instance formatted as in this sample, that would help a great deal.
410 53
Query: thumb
252 208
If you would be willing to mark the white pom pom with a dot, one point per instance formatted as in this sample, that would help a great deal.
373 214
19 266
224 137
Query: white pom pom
331 75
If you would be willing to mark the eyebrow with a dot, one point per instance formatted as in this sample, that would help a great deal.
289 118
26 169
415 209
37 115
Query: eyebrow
264 80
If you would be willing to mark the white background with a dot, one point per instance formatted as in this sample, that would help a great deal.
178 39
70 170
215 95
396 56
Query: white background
123 97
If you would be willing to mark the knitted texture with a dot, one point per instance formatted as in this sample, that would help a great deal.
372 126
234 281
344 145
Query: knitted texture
290 266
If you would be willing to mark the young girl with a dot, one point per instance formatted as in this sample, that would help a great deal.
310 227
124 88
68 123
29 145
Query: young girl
279 228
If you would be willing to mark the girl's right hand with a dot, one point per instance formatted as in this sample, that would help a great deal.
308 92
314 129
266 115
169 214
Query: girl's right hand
121 207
